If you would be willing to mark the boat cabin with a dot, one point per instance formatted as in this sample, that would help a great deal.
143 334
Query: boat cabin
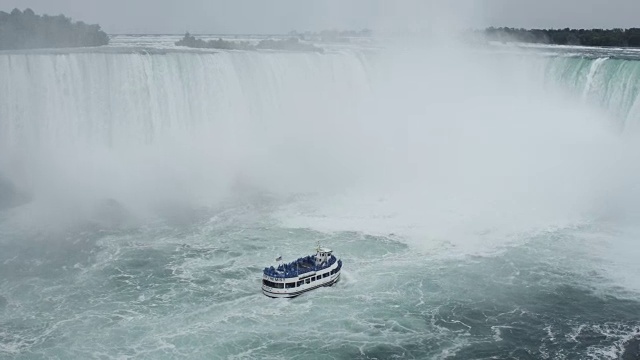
322 256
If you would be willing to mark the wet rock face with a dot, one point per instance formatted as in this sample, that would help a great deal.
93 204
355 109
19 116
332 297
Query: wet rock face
10 196
111 214
632 349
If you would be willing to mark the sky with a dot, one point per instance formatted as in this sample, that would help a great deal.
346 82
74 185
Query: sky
282 16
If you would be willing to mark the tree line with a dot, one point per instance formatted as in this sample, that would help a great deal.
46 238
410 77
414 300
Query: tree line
292 44
26 30
585 37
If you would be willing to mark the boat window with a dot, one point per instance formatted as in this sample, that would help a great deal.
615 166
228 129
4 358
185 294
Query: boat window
300 282
307 281
273 284
313 278
325 275
290 285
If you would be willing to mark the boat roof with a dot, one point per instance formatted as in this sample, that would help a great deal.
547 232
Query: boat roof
322 249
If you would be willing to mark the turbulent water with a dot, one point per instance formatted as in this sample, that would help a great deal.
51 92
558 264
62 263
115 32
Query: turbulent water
483 201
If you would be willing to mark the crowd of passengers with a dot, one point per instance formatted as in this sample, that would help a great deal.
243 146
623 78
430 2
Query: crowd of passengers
298 267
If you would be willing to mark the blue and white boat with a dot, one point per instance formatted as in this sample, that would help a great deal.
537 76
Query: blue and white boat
305 274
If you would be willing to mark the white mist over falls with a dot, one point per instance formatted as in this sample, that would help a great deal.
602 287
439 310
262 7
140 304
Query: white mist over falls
435 139
453 182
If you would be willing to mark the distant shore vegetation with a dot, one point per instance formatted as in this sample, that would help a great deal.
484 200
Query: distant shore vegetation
567 36
291 44
26 30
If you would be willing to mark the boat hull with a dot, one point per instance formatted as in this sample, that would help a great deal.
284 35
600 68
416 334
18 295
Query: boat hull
334 279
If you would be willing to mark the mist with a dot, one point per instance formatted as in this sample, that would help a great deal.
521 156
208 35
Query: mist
466 147
426 137
443 141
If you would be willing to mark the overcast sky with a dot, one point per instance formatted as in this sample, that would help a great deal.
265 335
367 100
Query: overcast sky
281 16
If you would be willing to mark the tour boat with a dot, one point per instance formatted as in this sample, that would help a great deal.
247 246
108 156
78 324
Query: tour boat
305 274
